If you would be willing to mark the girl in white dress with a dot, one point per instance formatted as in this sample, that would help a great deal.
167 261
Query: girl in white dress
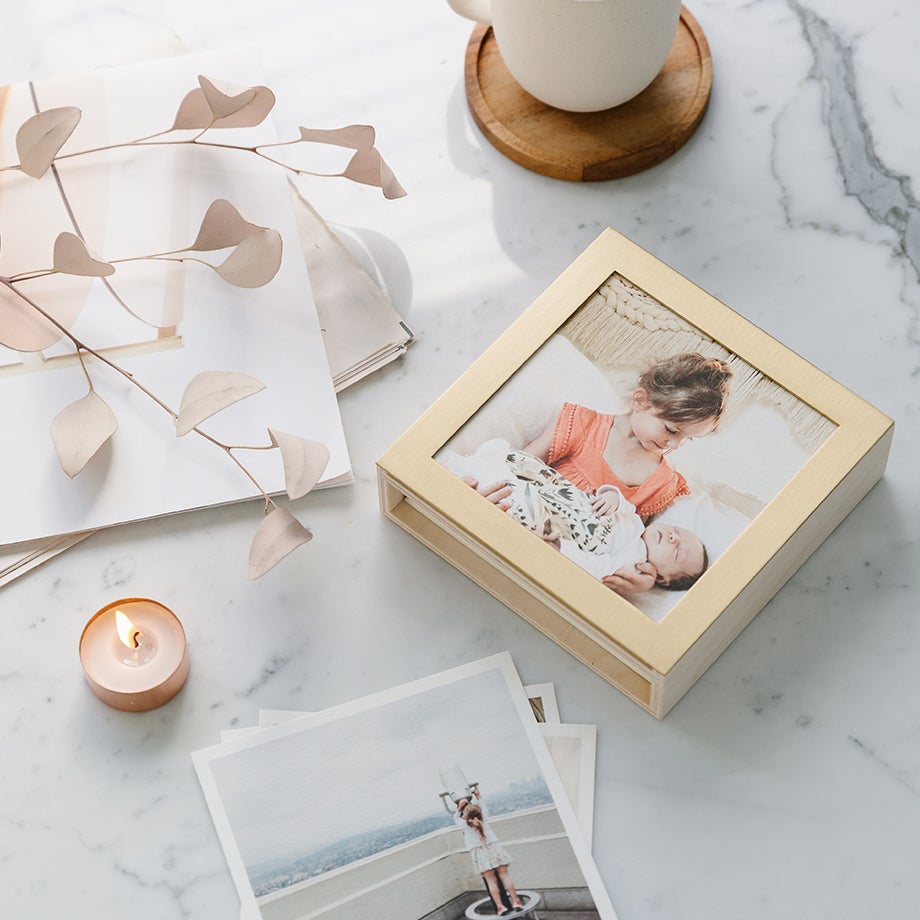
490 859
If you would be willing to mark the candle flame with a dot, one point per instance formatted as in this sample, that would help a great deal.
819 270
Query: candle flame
127 631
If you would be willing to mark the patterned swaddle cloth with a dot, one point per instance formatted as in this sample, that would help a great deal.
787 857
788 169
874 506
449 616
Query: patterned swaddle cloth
547 503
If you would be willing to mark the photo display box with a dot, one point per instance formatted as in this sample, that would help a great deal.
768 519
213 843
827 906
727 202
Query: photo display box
344 812
792 454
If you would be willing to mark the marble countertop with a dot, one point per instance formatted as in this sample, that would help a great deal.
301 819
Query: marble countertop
787 782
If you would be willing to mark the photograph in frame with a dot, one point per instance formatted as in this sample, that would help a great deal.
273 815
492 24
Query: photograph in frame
703 442
302 819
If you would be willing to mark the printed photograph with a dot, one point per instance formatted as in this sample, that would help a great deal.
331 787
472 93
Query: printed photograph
635 445
543 702
574 752
439 800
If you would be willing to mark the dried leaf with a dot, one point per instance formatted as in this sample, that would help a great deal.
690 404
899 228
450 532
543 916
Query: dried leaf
368 167
364 167
40 137
389 183
358 137
80 429
224 104
254 262
304 461
278 535
211 391
213 106
221 227
193 112
73 257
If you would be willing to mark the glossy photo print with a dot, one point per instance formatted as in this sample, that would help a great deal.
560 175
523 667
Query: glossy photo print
635 445
436 798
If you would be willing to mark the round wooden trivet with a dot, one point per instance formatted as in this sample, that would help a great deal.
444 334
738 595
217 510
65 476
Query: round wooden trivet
590 146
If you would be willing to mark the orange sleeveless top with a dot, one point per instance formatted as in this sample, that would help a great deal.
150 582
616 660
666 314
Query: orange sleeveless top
577 452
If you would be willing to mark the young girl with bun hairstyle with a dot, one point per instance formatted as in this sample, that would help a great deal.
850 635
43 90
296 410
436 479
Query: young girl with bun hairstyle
490 859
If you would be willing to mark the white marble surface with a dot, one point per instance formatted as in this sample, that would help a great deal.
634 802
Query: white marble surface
787 783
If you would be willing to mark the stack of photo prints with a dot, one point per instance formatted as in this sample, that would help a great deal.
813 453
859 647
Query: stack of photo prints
458 795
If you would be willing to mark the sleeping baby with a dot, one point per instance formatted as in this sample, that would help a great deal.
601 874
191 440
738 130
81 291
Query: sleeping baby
602 533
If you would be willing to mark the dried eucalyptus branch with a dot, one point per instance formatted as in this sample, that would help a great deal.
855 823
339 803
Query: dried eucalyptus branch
41 137
80 429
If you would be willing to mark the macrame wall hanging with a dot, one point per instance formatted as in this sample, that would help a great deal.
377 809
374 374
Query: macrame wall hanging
621 328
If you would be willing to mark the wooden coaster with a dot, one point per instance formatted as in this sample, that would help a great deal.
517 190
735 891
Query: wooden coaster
591 146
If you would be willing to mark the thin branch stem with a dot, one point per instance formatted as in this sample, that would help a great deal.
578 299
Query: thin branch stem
32 275
150 137
162 256
228 450
205 129
89 380
294 169
195 142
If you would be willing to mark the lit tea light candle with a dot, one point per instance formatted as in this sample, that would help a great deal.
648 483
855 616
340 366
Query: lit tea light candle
134 654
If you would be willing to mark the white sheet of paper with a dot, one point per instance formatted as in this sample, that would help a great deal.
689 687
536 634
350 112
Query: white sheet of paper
153 200
18 558
362 329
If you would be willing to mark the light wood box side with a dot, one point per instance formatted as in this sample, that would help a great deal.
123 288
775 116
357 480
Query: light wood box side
635 680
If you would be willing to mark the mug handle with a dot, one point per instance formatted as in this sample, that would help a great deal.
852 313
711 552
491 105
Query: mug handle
477 10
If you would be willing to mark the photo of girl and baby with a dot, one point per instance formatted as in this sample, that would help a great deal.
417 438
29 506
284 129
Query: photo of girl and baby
635 445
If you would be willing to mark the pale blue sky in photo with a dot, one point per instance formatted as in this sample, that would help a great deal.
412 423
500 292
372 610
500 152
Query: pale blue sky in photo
374 768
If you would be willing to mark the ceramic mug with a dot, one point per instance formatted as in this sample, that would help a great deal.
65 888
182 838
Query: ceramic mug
580 55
